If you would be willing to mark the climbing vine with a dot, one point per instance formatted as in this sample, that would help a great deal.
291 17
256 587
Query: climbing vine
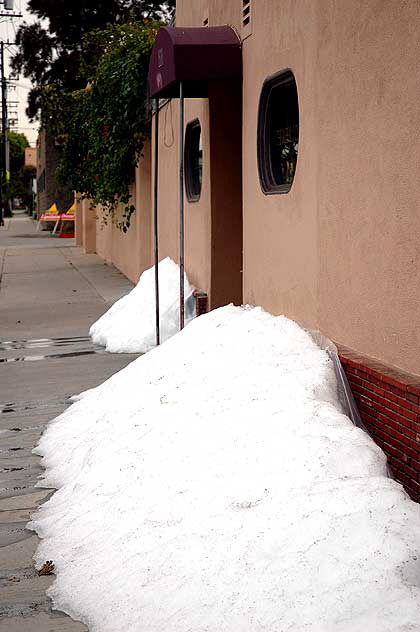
103 127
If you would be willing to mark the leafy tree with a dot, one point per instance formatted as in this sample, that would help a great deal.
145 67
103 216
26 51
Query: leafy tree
56 54
103 127
17 185
17 146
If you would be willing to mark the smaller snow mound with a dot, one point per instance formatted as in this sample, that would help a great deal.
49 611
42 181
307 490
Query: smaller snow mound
129 325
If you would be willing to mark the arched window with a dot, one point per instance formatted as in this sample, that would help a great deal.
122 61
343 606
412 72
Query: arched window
193 161
278 133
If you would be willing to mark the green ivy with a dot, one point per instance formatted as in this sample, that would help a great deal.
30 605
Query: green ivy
103 128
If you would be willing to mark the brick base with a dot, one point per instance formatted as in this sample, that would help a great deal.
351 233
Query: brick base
389 405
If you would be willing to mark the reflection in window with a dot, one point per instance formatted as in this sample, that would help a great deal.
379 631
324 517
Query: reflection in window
278 133
193 161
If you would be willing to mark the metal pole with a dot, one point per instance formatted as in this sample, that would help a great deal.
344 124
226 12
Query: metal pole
3 115
181 205
3 132
155 226
4 138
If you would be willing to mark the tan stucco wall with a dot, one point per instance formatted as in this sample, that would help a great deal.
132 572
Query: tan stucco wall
122 249
130 252
78 221
30 157
88 226
119 248
341 251
196 214
144 219
133 251
218 12
368 173
213 224
280 231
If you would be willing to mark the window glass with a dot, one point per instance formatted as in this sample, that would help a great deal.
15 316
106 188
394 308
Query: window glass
193 161
278 133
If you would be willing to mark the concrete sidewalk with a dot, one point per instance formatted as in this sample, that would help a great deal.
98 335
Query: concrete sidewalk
50 293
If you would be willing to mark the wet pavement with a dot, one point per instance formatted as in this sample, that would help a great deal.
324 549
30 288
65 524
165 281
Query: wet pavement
50 293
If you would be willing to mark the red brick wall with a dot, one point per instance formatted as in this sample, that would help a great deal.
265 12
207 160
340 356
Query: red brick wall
389 404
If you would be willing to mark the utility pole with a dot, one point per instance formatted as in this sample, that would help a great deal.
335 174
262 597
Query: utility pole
5 145
3 117
3 130
7 11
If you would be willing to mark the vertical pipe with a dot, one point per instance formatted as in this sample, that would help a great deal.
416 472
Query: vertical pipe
155 219
3 132
3 119
181 205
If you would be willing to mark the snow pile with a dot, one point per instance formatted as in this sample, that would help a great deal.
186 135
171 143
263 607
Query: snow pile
214 485
129 326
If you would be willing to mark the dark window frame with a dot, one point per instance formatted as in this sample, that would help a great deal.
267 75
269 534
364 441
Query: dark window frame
193 185
268 183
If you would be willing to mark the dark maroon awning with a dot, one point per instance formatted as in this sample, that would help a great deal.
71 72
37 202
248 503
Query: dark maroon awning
193 56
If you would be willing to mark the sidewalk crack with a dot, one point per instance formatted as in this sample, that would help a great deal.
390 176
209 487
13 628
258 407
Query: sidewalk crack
86 278
2 260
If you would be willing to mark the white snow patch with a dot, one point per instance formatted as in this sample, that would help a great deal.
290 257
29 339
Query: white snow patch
78 396
129 324
215 485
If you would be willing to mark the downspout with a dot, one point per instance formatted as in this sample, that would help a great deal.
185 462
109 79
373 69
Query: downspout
155 219
181 206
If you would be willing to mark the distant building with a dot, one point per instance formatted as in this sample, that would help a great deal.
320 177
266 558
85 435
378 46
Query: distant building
30 179
30 157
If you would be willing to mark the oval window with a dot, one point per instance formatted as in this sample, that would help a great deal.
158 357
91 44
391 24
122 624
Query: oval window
193 161
278 133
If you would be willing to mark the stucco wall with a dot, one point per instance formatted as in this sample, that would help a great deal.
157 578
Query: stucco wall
78 221
218 12
197 214
213 224
130 252
280 231
88 226
191 13
368 103
30 156
122 249
143 203
341 251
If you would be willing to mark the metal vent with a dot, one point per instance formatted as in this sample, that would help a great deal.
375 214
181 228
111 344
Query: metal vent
201 303
246 12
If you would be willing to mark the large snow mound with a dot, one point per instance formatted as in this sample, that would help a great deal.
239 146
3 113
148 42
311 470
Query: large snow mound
129 326
215 485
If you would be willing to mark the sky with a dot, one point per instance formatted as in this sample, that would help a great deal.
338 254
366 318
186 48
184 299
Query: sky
8 28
